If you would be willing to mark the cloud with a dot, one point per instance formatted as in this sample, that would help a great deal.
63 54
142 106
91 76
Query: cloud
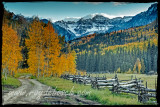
94 3
119 3
75 2
107 15
53 20
73 17
103 14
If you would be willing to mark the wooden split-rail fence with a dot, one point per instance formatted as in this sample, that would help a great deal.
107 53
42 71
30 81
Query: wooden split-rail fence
133 86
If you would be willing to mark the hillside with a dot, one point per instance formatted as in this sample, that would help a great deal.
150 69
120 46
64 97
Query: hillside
102 51
100 23
21 25
73 28
131 50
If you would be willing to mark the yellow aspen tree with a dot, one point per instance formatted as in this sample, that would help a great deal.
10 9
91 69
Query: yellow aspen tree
134 68
11 52
71 62
118 70
32 62
61 65
44 65
139 65
35 44
52 48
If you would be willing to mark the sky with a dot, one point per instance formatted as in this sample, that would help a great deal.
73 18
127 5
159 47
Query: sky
60 10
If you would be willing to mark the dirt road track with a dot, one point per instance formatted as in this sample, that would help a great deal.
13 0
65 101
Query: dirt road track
33 92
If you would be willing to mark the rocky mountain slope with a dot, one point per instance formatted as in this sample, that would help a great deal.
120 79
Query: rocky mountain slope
99 23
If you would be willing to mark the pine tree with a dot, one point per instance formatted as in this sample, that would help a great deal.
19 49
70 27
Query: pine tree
143 66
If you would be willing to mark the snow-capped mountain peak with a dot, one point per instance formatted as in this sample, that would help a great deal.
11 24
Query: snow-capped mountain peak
90 16
101 23
74 19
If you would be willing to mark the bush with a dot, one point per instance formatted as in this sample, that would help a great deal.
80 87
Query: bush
129 71
118 70
33 77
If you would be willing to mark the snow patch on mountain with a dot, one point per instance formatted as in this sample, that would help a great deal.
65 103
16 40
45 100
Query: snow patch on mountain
90 16
74 19
126 19
101 22
71 27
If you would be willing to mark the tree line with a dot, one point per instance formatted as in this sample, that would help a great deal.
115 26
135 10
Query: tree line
34 48
133 50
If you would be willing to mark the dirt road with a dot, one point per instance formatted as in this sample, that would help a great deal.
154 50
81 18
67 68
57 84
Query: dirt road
33 92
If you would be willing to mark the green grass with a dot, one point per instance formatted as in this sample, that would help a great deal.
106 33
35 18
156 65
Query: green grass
105 96
46 103
21 74
11 81
32 77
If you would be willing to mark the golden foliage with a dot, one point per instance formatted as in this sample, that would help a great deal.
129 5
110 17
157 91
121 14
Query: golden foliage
45 58
11 52
137 67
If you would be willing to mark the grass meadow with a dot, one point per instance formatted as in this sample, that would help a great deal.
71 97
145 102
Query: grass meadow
10 81
151 79
103 96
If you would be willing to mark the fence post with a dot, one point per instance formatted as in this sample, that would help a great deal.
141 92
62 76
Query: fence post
139 91
117 85
96 84
105 77
146 84
145 98
141 95
131 77
113 88
84 81
91 83
155 84
73 79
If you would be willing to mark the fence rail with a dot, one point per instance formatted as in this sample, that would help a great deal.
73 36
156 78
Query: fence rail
133 86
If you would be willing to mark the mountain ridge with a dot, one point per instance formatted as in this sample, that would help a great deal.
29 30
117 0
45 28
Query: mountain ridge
73 28
98 23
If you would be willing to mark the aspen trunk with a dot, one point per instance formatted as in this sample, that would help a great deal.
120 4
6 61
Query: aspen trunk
48 61
38 55
44 71
5 72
